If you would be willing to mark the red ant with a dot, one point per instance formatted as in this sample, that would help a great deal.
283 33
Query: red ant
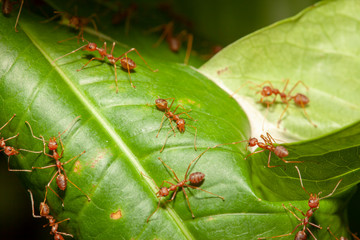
126 14
126 63
194 178
61 179
343 238
10 151
162 105
174 42
7 9
314 198
313 204
79 23
45 212
268 144
301 235
300 99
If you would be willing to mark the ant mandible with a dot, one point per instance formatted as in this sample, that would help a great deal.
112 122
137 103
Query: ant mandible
126 63
194 178
7 9
300 99
174 42
162 105
314 198
45 212
61 179
343 238
301 235
268 144
10 151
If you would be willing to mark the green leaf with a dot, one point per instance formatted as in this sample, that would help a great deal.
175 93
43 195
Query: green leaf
118 133
319 47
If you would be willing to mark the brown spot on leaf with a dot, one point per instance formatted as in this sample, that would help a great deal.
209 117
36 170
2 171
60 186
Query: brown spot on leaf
116 215
77 167
210 218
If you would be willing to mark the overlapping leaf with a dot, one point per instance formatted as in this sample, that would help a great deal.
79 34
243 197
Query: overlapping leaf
118 133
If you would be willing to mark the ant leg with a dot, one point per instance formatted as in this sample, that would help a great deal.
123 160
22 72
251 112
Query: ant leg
67 39
32 133
70 125
18 16
167 30
154 211
241 86
134 49
285 86
16 170
7 122
194 136
222 144
162 121
94 58
73 158
269 159
205 191
49 166
11 137
332 190
170 169
167 136
69 53
48 187
291 161
307 116
282 114
297 209
32 205
65 234
254 153
128 68
188 202
187 170
296 84
297 169
89 199
25 150
188 48
151 180
311 232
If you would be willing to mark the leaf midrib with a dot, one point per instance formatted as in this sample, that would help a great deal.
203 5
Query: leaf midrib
107 126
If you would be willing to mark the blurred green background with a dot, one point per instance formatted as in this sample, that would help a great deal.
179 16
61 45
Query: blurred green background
212 22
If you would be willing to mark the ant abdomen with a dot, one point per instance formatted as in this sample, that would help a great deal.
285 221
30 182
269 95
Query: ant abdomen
301 235
196 177
161 104
281 151
174 44
61 181
44 209
301 99
127 63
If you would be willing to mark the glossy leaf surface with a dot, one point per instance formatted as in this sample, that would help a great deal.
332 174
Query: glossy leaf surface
118 133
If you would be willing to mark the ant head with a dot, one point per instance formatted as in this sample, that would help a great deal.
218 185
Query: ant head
90 47
163 192
181 125
281 151
253 142
10 151
161 104
52 144
266 91
314 201
301 99
44 209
